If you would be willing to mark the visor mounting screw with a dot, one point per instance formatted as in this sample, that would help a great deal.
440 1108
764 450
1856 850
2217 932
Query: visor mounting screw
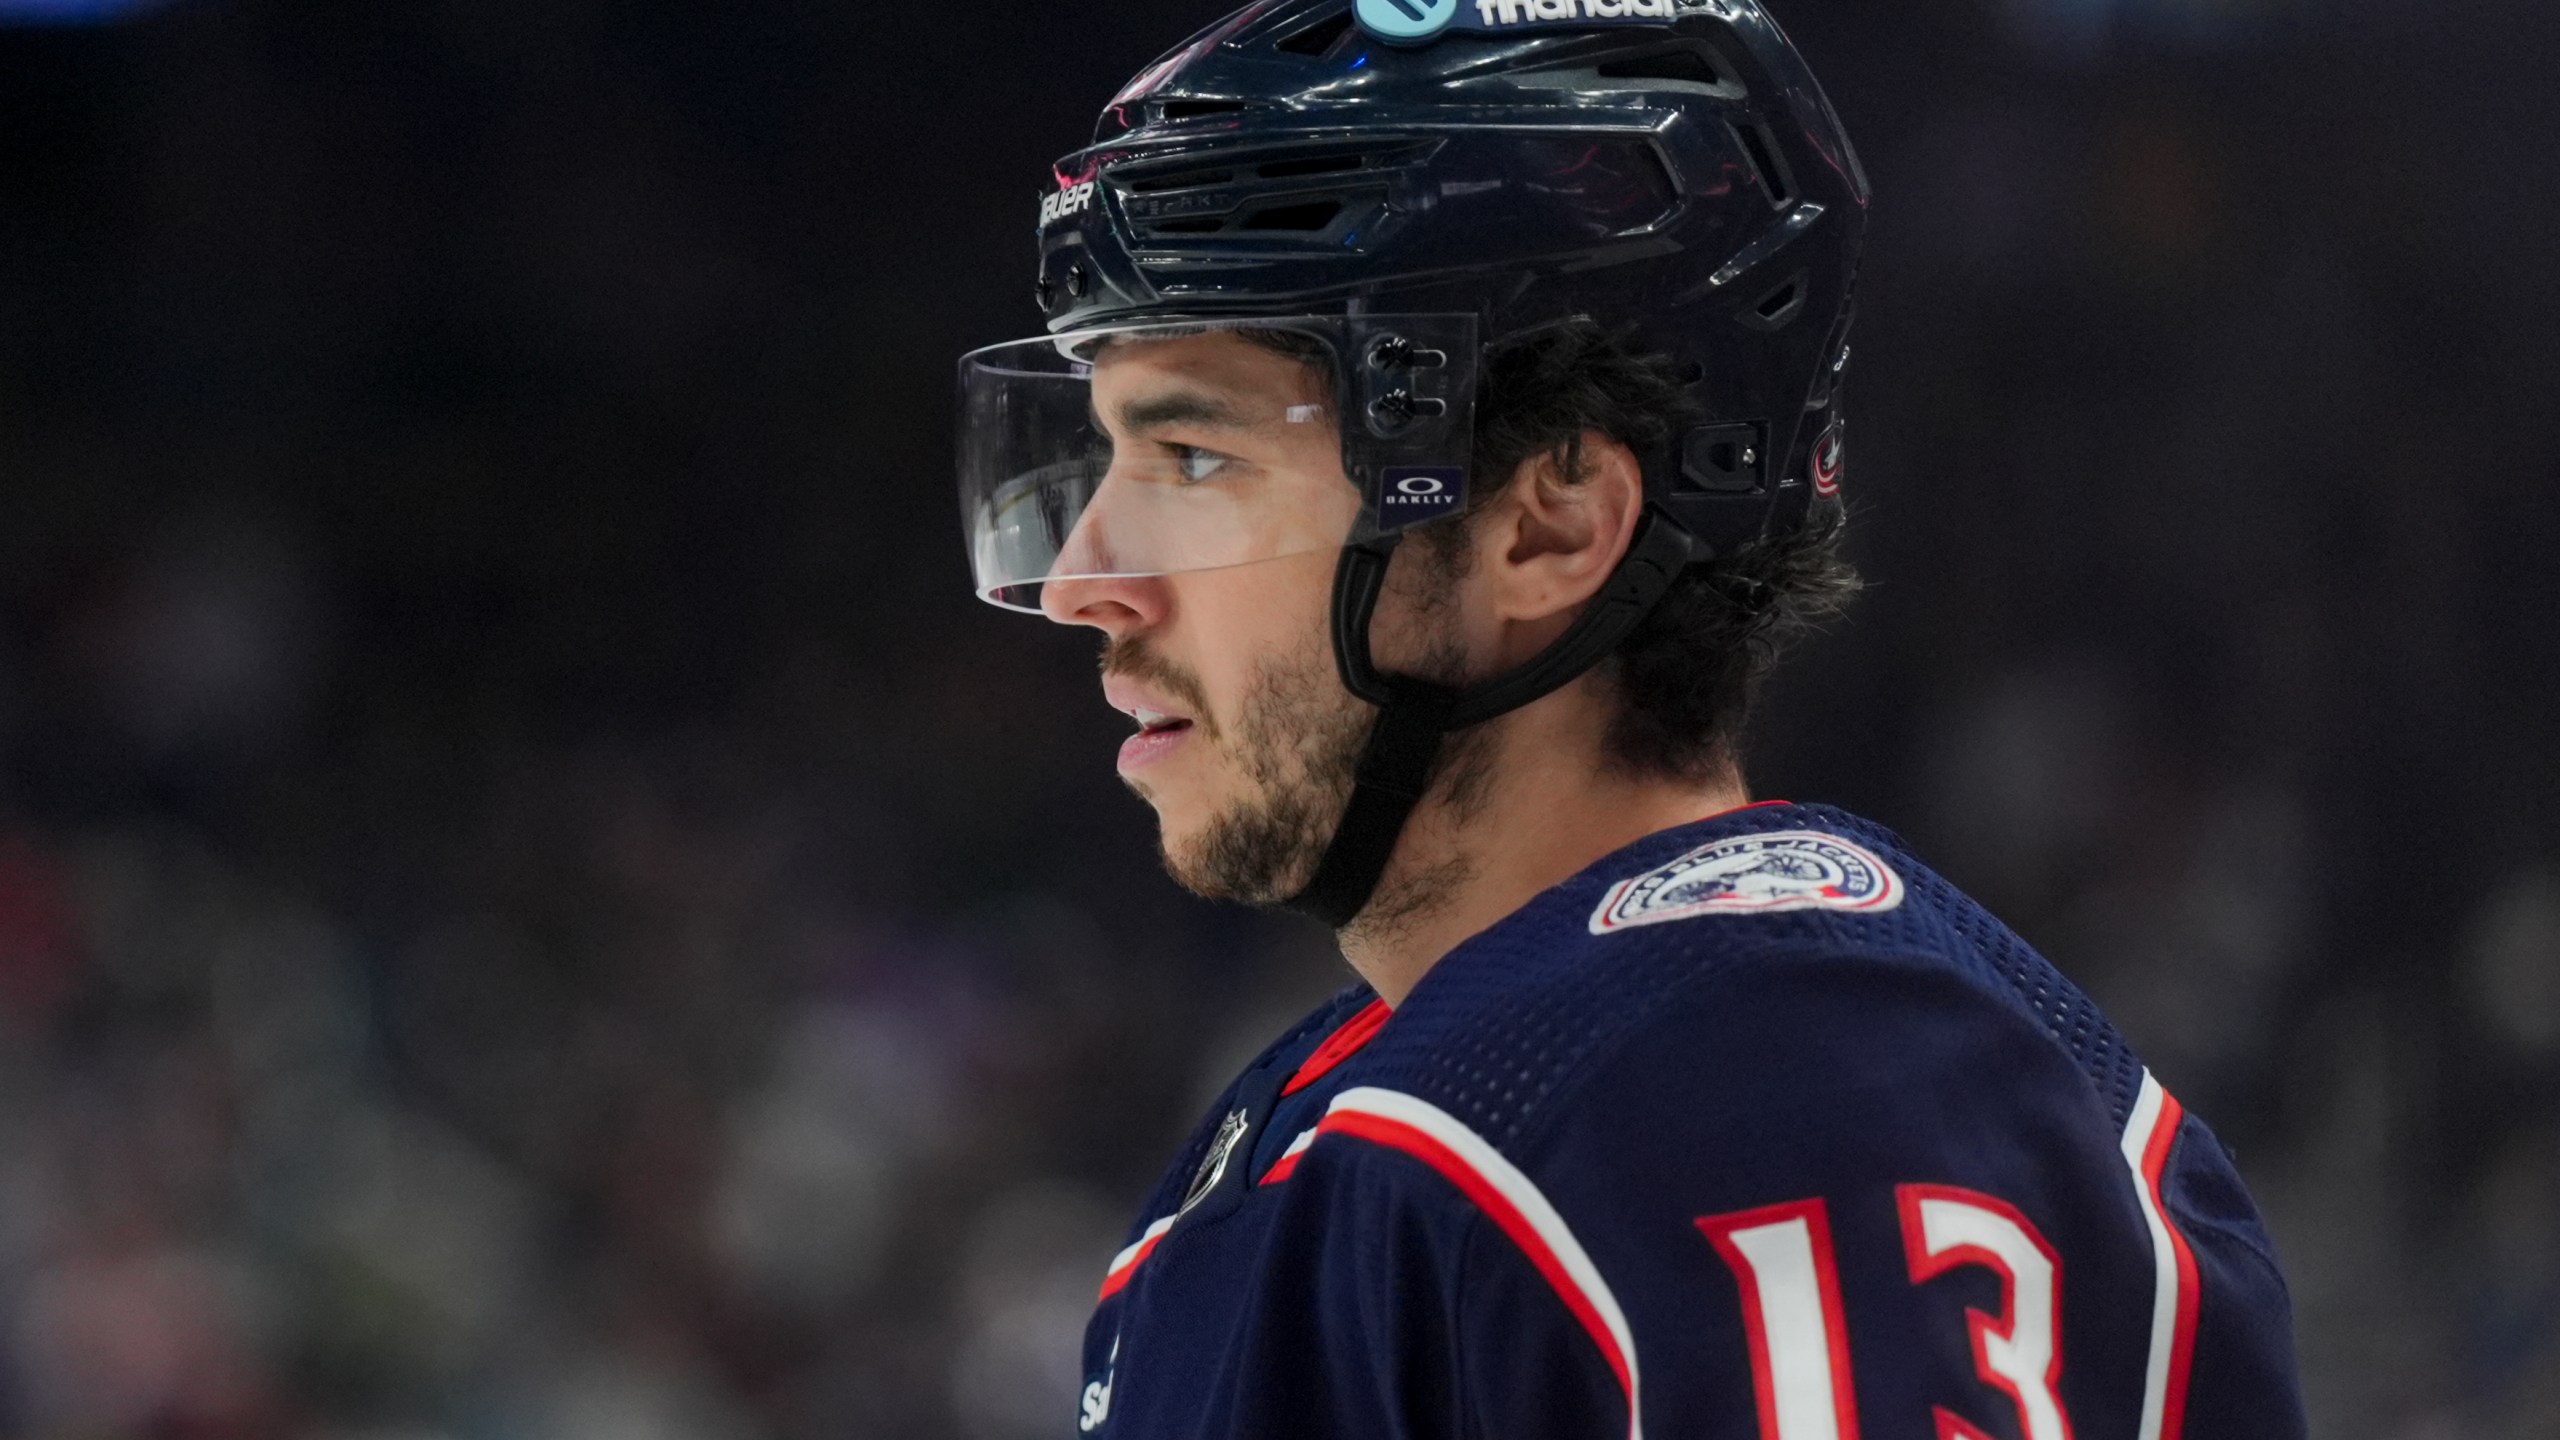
1392 352
1077 283
1392 412
1750 456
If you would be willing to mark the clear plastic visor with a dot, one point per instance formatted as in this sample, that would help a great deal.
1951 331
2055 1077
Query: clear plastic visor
1170 448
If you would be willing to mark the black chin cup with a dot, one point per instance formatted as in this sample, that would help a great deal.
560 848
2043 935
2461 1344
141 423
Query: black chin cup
1415 716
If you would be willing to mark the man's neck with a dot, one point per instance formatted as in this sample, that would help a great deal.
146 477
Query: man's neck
1535 807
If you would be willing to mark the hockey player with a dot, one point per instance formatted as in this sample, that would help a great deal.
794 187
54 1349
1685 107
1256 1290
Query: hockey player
1439 420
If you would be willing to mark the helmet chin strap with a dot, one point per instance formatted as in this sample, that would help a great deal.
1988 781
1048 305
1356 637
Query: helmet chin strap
1416 716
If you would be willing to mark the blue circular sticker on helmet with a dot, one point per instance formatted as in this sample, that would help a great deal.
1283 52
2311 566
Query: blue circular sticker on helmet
1405 22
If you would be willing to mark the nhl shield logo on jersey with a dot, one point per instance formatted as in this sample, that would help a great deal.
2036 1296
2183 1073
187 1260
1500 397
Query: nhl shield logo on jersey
1753 875
1213 1166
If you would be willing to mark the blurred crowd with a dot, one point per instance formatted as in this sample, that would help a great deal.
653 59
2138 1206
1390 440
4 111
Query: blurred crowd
533 904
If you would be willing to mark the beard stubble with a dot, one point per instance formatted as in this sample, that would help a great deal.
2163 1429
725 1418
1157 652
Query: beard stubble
1297 736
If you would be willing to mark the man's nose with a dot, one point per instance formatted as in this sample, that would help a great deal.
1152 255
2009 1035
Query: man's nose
1092 583
1083 590
1116 605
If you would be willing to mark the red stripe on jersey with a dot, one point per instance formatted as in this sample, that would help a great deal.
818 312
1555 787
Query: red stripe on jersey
1498 1208
2155 1167
1341 1045
1126 1264
1288 1161
1738 809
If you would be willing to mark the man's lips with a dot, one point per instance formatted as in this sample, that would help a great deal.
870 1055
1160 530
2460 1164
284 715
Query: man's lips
1149 746
1152 709
1161 727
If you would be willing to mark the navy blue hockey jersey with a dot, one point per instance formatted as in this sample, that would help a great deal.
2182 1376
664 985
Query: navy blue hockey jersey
1756 1128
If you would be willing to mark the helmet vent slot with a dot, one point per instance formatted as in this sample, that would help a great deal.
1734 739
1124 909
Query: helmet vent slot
1756 144
1275 198
1681 68
1687 65
1318 38
1780 305
1176 111
1156 176
1310 165
1182 180
1305 217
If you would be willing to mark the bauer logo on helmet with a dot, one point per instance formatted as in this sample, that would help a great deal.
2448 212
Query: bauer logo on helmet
1073 200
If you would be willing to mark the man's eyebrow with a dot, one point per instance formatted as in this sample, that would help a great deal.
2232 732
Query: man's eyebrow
1182 407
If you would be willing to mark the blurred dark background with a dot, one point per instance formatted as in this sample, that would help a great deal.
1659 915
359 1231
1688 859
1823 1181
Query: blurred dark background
534 904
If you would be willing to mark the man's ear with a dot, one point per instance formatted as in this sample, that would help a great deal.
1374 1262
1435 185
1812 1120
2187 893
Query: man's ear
1554 538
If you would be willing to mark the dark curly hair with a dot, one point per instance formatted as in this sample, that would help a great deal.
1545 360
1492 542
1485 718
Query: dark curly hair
1687 677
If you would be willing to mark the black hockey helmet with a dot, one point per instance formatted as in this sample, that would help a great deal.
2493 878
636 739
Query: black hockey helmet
1409 183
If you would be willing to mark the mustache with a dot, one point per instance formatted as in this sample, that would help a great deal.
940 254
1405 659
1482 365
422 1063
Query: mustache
1130 658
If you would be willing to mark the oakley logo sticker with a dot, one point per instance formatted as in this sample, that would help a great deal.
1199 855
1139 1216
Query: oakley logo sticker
1411 494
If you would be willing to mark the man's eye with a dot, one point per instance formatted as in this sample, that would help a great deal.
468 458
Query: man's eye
1197 465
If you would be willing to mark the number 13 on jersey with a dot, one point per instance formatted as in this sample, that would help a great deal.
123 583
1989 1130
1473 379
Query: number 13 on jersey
1782 1260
